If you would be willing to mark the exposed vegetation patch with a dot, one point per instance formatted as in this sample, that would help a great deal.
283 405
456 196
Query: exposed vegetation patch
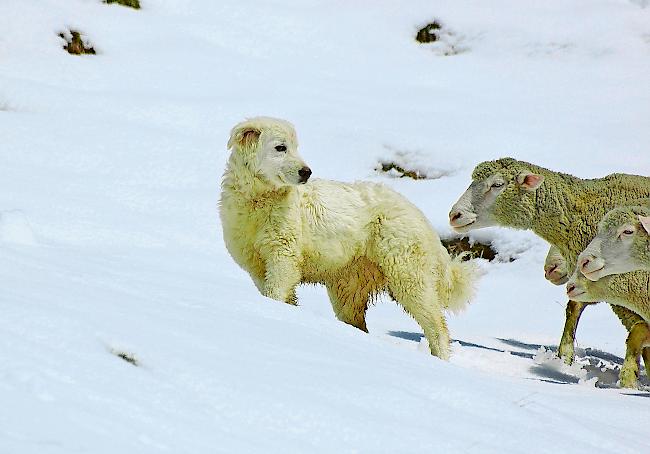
75 44
400 172
135 4
414 164
440 38
429 33
458 246
128 357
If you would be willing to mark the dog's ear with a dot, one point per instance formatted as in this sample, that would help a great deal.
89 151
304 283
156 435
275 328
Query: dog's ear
244 136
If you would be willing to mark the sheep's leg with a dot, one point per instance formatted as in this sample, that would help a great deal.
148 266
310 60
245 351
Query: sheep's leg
629 373
638 338
573 312
349 305
646 359
635 341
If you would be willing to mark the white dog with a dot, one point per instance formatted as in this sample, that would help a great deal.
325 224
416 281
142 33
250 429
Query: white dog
358 240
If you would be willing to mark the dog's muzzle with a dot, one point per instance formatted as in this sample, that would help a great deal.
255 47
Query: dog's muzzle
304 174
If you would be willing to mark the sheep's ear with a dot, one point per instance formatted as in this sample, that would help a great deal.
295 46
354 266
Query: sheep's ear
243 136
645 223
530 181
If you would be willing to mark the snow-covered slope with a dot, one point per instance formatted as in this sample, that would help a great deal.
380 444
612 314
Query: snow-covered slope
111 248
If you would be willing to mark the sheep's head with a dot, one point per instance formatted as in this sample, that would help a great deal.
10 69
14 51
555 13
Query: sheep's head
268 148
555 267
619 289
502 193
621 245
581 289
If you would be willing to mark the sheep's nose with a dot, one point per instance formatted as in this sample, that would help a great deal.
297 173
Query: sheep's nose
551 270
570 288
586 261
304 174
454 216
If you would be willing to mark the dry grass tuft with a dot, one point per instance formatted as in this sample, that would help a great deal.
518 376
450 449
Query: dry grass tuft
75 43
128 357
135 4
458 246
429 33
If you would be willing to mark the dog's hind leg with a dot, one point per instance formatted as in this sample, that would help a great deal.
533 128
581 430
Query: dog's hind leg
421 303
406 264
349 302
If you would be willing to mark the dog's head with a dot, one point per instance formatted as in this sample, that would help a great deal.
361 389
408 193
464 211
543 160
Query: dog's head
269 149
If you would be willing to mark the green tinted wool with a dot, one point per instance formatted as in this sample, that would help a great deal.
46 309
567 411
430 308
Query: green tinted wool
565 210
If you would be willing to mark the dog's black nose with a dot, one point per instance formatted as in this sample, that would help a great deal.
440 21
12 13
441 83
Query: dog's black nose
304 174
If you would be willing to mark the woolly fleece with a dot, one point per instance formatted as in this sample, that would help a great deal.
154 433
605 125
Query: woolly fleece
358 240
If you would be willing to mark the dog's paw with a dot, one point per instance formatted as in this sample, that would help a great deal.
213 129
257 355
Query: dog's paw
275 294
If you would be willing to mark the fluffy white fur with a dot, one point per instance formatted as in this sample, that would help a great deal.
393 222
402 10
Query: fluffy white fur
358 240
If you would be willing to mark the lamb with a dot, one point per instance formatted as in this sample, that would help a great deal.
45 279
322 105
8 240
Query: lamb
630 290
359 240
621 245
561 208
555 267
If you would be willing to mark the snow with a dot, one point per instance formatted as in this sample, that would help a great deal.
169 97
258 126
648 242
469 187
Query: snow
15 228
111 244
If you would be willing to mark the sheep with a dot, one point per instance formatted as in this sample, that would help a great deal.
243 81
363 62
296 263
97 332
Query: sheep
555 267
556 271
630 290
621 245
359 240
562 209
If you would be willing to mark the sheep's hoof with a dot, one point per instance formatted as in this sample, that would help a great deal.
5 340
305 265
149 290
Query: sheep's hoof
566 352
627 378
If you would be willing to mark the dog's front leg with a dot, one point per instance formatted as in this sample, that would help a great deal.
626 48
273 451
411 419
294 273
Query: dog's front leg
282 277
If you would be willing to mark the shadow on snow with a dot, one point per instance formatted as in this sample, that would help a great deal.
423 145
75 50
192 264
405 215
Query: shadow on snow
602 365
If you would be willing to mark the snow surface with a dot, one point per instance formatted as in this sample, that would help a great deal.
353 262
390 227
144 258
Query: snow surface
111 245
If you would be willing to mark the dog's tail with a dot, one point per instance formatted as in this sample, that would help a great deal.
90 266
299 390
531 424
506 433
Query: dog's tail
456 286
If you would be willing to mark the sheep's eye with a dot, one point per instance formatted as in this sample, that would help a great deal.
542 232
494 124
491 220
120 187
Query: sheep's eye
497 184
626 233
281 148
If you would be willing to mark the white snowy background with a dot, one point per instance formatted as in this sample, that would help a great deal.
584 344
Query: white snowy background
110 242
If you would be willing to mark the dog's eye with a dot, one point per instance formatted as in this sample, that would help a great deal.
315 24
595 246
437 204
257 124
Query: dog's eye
281 148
